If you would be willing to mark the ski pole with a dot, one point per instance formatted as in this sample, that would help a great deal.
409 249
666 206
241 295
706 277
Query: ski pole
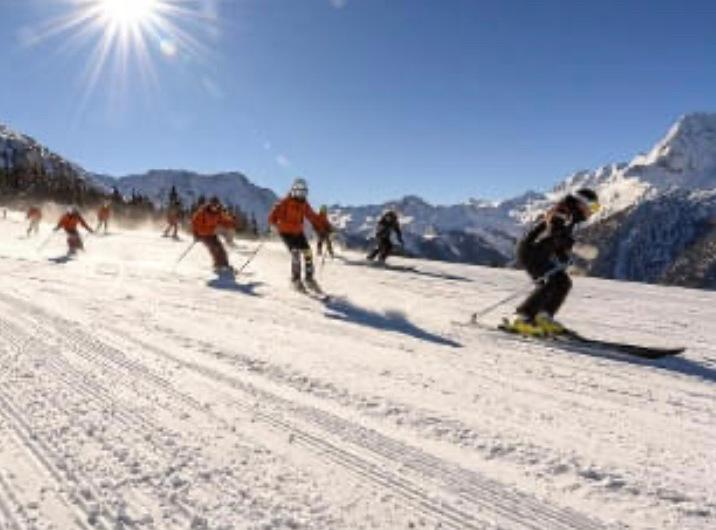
486 311
46 241
185 253
250 258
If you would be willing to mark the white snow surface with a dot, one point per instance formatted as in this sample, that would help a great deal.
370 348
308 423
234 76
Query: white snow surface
134 396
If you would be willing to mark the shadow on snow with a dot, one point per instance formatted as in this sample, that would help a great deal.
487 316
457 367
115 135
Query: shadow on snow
248 289
59 260
404 268
342 309
677 364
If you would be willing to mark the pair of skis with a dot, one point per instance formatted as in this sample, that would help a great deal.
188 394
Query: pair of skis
573 340
312 289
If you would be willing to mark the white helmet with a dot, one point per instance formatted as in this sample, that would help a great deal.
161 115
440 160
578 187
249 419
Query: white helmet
72 210
299 189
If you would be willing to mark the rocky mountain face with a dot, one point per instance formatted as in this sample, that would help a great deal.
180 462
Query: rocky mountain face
233 188
669 239
477 232
657 223
29 170
668 234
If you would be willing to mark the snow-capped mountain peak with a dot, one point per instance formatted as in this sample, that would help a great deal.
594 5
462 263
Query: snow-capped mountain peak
685 157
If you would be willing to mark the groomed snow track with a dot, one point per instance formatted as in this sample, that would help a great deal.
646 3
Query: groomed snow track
59 403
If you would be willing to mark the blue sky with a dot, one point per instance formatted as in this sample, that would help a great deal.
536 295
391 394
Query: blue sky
370 99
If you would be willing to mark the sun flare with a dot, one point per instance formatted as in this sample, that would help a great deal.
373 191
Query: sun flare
125 38
128 12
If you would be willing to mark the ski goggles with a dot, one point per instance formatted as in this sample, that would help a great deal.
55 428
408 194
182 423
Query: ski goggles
593 206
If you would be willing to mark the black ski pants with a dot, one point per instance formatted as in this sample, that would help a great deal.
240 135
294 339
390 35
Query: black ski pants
74 241
550 294
382 250
298 246
216 249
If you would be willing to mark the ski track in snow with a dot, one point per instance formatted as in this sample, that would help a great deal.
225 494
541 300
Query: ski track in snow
132 397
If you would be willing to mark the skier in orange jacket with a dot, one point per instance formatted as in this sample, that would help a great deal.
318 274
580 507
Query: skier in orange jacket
204 224
103 215
288 216
68 222
324 237
34 215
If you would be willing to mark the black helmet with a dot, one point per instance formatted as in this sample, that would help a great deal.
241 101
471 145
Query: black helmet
215 200
589 198
587 194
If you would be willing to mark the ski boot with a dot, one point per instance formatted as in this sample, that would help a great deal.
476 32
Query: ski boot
298 286
549 325
522 325
312 285
225 274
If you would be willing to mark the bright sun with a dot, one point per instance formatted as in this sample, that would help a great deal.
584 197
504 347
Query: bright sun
128 12
124 38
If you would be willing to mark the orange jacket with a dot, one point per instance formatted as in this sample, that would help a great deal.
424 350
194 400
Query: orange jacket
34 213
325 223
289 214
103 213
70 221
204 222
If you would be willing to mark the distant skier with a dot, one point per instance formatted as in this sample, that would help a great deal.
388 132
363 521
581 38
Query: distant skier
288 216
324 237
174 215
68 222
387 224
34 216
103 215
545 252
205 223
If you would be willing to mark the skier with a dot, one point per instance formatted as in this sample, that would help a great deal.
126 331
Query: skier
288 216
103 215
324 236
173 218
34 215
387 224
545 253
204 224
68 222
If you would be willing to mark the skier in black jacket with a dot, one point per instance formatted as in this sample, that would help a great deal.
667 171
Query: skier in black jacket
545 252
387 224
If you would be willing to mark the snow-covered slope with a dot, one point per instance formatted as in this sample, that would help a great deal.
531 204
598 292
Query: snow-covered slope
233 188
134 397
